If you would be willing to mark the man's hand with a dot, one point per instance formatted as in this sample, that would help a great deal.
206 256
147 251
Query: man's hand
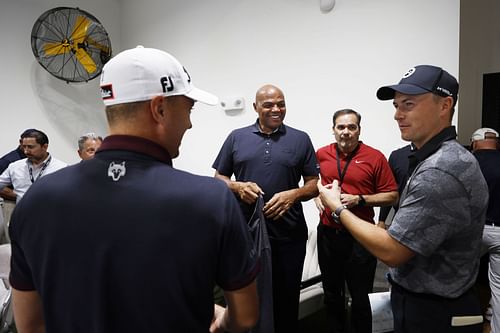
249 192
350 200
319 204
8 194
217 324
279 204
330 194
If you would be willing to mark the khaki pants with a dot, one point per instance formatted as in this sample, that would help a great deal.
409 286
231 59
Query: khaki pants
7 209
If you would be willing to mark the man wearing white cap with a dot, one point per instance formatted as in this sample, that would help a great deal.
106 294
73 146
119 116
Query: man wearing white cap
484 144
434 242
145 256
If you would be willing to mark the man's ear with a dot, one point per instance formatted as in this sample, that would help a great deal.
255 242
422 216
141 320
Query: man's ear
448 103
445 108
255 107
157 108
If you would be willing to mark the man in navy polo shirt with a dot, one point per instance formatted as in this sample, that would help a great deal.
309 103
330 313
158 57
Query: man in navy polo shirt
269 158
124 242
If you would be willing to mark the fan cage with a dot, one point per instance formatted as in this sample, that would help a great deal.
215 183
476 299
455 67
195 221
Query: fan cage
55 26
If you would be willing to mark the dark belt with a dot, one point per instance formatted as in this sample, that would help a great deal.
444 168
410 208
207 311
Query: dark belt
492 223
418 295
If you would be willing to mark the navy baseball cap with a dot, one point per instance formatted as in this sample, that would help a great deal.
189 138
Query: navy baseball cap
423 79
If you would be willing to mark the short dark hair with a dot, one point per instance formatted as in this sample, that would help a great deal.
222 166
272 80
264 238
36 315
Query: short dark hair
40 137
346 111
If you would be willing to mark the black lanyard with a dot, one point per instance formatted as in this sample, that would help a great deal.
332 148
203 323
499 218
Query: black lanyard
41 171
342 172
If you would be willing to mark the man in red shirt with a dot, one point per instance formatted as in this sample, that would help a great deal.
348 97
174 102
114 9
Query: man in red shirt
366 181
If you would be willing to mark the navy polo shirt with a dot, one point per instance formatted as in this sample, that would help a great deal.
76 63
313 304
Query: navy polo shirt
489 160
276 162
15 155
126 243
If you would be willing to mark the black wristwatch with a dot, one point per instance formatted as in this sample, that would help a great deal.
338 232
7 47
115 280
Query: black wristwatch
361 201
336 213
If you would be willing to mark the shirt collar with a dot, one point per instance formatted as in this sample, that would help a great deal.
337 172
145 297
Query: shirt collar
430 147
135 144
39 165
351 154
257 129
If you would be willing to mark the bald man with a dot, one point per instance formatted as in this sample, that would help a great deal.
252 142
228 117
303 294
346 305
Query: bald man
269 158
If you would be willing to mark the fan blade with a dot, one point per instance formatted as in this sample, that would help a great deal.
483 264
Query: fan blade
52 49
101 47
86 61
80 29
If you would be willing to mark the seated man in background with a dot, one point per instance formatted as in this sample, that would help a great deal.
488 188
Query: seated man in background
146 255
23 173
88 145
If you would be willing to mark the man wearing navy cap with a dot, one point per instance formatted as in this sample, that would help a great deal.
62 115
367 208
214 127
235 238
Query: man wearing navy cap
145 256
433 244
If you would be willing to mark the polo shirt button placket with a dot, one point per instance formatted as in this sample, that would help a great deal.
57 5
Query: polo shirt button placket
267 151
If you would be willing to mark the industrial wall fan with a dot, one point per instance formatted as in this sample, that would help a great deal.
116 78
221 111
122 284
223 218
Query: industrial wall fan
70 44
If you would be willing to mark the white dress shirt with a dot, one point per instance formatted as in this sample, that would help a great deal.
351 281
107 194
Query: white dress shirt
18 174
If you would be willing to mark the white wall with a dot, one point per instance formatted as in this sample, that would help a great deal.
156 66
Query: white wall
323 62
31 97
479 54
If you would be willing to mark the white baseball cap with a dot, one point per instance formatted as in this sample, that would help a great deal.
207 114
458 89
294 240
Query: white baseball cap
141 73
480 134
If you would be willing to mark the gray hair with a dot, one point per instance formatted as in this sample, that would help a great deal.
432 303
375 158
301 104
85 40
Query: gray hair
87 136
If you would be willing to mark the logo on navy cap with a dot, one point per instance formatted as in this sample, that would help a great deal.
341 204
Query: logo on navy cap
409 72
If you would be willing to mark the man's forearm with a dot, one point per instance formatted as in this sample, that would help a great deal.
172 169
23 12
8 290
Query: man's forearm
8 194
381 199
28 314
309 190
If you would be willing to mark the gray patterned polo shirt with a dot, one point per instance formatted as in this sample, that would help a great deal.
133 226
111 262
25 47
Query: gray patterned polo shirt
441 218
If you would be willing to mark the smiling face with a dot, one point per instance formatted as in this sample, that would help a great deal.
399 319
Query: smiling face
271 108
346 130
421 117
